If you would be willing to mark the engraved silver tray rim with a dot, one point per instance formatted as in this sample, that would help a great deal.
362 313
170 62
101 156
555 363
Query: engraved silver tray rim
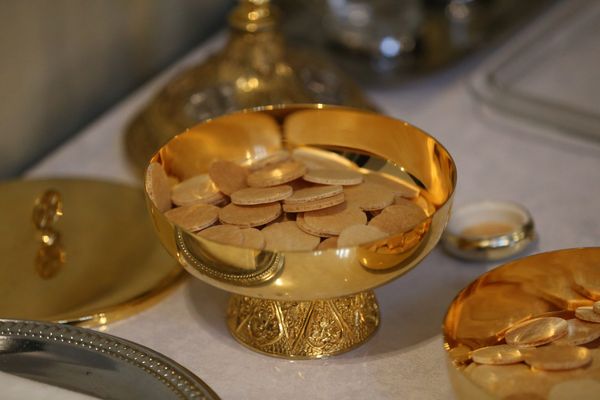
94 363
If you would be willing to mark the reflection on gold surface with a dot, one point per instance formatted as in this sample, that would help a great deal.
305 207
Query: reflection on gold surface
352 136
51 255
95 242
536 286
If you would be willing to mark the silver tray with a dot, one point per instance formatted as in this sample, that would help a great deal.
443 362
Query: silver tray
549 73
93 363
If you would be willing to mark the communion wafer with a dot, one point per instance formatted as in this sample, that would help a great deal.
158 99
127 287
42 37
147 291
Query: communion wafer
299 183
276 174
313 193
588 314
249 216
157 187
333 220
329 243
315 204
497 355
286 236
225 234
359 234
252 196
399 218
198 189
333 176
554 358
228 176
536 332
193 217
369 196
398 186
308 229
579 332
252 238
270 159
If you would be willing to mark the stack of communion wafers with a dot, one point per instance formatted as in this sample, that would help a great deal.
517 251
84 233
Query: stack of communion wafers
286 203
544 343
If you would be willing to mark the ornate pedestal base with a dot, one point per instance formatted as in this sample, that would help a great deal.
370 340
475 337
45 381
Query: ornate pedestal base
303 329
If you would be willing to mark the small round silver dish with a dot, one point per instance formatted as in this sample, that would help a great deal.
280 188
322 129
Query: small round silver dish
488 230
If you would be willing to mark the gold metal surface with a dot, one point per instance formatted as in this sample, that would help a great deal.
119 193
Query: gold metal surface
255 68
484 311
303 329
88 258
379 143
51 255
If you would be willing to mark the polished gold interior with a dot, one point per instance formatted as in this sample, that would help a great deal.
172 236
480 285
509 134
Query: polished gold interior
78 251
539 285
373 142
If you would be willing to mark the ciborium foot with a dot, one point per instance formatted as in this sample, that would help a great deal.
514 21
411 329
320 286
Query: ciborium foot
303 329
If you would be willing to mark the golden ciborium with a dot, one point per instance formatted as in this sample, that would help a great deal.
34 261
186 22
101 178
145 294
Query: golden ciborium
309 304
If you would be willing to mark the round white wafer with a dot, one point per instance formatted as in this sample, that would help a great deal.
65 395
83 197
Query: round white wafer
369 196
199 189
252 196
399 218
579 332
536 332
588 314
249 216
556 358
312 193
286 236
228 176
306 228
253 238
358 234
333 220
224 234
157 187
497 355
276 174
315 204
193 217
333 177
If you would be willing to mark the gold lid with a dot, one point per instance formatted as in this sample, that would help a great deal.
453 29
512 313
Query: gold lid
78 251
488 230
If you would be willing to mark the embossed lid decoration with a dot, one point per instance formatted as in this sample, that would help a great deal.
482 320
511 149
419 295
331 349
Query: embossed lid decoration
61 247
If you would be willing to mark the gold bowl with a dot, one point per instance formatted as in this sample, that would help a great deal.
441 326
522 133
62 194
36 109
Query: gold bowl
309 304
547 284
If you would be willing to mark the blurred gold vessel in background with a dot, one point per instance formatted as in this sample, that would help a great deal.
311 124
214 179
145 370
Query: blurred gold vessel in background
309 304
255 68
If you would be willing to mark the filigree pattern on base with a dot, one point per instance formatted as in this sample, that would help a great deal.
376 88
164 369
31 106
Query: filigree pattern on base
303 329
